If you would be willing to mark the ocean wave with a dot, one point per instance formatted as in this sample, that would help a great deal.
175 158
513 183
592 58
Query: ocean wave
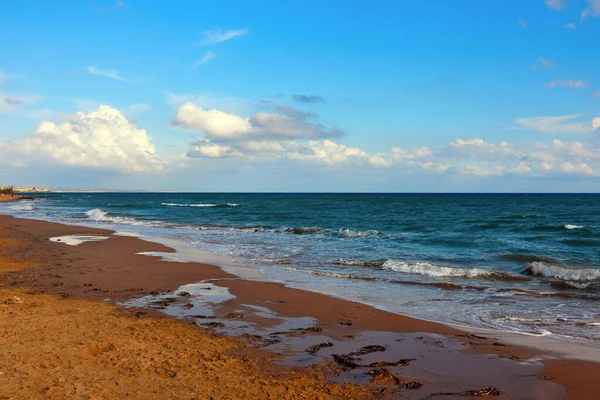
249 229
348 233
438 271
331 274
571 227
200 205
360 263
305 230
100 215
583 276
22 207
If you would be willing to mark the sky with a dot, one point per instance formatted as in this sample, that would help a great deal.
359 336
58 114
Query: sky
301 96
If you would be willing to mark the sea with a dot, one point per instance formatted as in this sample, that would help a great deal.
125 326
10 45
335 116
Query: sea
524 263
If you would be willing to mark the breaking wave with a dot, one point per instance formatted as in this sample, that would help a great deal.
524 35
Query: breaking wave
100 215
21 207
579 278
200 205
437 271
348 233
360 263
331 274
571 227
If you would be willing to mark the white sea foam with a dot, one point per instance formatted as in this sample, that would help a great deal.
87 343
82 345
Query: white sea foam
571 227
436 271
100 215
76 240
22 207
573 275
348 233
359 263
200 205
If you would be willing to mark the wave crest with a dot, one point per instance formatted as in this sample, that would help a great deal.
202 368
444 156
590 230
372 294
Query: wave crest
571 227
100 215
577 277
436 271
22 207
349 233
200 205
359 263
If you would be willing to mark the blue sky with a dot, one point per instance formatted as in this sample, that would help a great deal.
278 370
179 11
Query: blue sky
301 96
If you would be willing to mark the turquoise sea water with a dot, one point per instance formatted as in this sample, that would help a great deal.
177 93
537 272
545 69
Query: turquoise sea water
522 262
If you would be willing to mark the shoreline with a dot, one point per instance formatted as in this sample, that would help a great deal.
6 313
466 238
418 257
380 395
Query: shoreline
338 318
10 199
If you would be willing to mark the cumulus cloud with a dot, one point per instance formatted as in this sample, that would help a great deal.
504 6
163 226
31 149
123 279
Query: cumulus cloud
217 124
592 10
220 35
310 98
109 73
103 139
209 55
567 83
556 4
562 124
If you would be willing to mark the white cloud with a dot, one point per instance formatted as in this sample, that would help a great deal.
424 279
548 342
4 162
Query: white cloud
217 124
576 168
220 35
571 26
562 124
110 73
103 139
3 76
328 152
474 157
556 4
205 58
522 23
596 94
596 123
204 148
567 83
592 10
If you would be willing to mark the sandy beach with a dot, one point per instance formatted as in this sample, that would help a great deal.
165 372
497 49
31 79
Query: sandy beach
66 333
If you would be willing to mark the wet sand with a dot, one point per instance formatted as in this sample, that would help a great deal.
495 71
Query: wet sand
8 199
448 363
